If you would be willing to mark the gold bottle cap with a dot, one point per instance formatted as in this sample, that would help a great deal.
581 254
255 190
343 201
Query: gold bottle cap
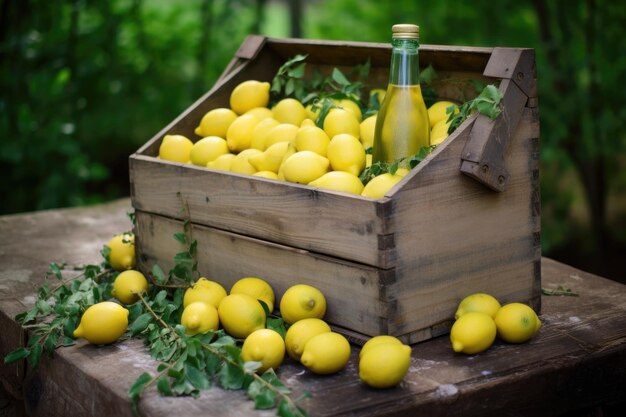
405 31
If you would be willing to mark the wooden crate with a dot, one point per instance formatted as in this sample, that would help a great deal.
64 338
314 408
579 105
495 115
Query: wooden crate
467 219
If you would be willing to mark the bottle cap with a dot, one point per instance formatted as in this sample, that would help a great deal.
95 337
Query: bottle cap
405 31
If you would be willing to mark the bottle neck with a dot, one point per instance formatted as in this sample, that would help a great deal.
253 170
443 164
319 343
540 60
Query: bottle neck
404 68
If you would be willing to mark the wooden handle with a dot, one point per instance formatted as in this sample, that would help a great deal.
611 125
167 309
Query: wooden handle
248 50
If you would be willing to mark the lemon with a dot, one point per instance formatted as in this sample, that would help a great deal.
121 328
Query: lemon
340 121
206 291
122 251
289 110
346 153
207 149
366 130
239 134
438 111
215 123
260 131
439 132
385 365
222 162
346 103
240 315
380 185
378 340
472 333
128 284
517 323
312 138
241 162
339 181
283 132
265 346
261 113
368 160
379 93
266 174
308 123
402 171
199 317
271 158
256 288
102 323
248 95
302 301
304 167
326 353
176 148
312 114
481 302
301 332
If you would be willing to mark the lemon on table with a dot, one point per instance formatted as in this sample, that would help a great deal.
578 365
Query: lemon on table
517 323
438 111
121 251
289 110
215 122
199 317
102 323
283 132
326 353
248 95
240 315
312 138
385 365
339 181
265 346
239 134
340 121
302 301
128 284
260 132
366 130
222 162
303 167
241 162
256 288
346 103
261 113
378 340
439 132
346 153
472 333
380 185
481 302
300 332
207 149
176 148
271 158
206 291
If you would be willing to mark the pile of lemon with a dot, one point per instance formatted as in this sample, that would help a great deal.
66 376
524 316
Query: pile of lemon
284 142
480 318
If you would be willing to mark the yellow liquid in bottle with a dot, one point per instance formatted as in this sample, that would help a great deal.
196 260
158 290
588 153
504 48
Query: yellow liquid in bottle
402 126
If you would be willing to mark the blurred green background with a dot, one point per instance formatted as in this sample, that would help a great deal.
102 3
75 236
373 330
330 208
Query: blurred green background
85 83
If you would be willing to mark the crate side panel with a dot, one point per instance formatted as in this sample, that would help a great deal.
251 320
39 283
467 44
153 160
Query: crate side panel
354 292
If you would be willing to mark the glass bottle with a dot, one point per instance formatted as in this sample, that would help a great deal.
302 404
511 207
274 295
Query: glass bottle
402 126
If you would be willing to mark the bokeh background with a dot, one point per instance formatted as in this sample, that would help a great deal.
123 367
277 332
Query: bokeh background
84 83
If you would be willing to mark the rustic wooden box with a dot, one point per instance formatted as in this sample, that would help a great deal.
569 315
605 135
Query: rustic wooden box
467 219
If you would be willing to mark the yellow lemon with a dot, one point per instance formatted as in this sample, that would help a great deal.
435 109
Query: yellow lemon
215 123
326 353
205 291
260 131
121 250
346 153
283 132
128 284
176 148
481 302
199 317
439 132
311 113
256 288
377 93
402 171
472 333
385 365
380 185
261 113
366 130
241 163
207 149
222 162
289 110
240 315
307 123
378 340
248 95
239 134
303 167
339 181
265 346
102 323
271 158
312 138
517 323
266 174
438 111
302 301
346 103
301 332
340 121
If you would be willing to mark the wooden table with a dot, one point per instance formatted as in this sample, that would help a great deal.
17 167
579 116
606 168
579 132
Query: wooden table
577 362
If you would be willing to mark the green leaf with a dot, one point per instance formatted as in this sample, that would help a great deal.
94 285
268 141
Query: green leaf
158 274
196 377
427 75
297 71
231 376
263 397
181 237
51 343
278 325
287 409
163 386
43 307
338 77
137 388
56 271
140 324
35 355
16 355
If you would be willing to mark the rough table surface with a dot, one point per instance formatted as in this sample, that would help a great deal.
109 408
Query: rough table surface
578 360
